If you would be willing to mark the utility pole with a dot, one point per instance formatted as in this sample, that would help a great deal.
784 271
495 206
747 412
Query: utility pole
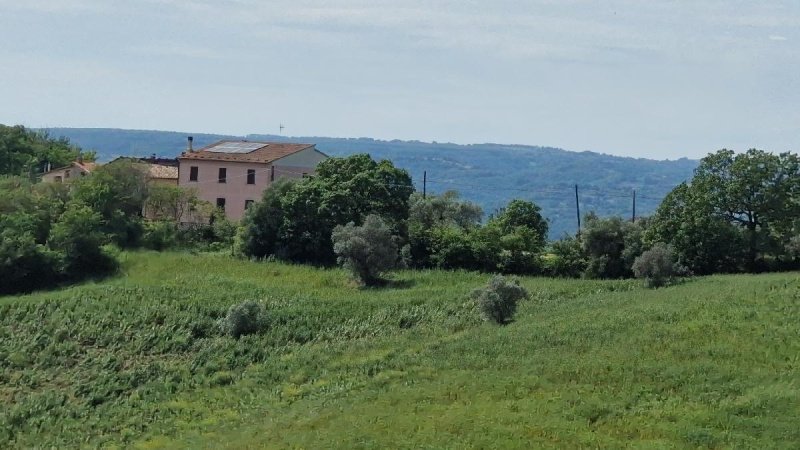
424 183
633 217
578 209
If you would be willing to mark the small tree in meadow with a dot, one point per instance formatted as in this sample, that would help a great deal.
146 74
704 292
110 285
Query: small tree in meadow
367 250
497 301
244 318
656 266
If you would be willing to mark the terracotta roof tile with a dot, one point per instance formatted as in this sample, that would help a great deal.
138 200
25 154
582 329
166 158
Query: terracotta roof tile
269 152
161 172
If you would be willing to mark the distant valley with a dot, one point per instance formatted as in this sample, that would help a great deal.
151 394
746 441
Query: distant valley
488 174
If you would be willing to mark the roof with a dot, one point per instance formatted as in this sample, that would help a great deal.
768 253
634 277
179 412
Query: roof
263 152
84 166
162 172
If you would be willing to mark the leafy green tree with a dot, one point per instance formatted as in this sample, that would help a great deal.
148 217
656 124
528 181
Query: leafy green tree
565 258
755 190
262 226
367 250
343 190
78 238
609 245
26 152
117 192
434 220
521 213
704 241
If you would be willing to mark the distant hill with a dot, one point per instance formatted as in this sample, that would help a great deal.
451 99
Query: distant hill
488 174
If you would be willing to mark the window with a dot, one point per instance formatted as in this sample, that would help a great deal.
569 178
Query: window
193 173
223 175
66 173
251 176
221 204
248 204
58 179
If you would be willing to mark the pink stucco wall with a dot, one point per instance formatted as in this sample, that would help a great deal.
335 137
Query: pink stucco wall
235 190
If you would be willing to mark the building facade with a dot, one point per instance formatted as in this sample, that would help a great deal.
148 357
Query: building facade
232 175
66 174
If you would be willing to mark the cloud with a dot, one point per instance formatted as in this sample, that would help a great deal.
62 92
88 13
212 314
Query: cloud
775 37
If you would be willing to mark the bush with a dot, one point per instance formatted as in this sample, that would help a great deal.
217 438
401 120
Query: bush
656 266
244 318
367 251
565 259
497 301
78 238
159 235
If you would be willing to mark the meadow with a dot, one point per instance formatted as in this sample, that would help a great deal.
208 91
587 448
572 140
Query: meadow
139 361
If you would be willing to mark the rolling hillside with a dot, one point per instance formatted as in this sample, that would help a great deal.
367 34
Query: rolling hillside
138 361
488 174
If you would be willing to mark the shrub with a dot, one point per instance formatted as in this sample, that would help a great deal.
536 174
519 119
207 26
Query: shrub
159 235
565 258
497 301
366 250
244 318
656 266
78 238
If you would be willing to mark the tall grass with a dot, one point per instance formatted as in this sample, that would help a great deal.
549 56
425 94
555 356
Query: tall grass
140 360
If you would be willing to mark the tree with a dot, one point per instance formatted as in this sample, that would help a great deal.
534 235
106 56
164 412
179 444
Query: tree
704 242
261 232
656 266
117 192
344 190
497 301
77 237
367 250
521 213
27 153
755 190
440 221
604 243
171 203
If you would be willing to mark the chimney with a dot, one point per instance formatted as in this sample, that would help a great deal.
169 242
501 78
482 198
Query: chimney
189 147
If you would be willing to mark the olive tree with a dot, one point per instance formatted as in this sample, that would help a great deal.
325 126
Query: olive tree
367 250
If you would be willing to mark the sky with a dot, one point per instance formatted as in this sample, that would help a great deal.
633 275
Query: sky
659 79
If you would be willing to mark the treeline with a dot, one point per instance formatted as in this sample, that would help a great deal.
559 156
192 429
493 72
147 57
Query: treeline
739 213
53 233
27 153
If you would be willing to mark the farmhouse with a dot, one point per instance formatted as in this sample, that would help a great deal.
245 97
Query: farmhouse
162 171
68 173
231 175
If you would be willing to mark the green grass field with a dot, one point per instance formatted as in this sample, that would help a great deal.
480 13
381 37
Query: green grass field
138 361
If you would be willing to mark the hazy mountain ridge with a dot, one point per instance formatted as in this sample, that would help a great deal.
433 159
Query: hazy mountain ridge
489 174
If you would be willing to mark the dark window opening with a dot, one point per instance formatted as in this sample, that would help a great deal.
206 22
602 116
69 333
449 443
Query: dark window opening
193 173
223 175
248 204
221 204
251 176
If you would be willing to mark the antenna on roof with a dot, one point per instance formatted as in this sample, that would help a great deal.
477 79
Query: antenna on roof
280 128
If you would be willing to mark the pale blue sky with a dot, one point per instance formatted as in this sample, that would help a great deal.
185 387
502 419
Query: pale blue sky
661 79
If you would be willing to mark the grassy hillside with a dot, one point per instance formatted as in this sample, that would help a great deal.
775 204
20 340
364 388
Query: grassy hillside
488 174
137 360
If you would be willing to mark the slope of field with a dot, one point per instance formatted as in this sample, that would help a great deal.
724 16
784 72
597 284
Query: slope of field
488 174
138 361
